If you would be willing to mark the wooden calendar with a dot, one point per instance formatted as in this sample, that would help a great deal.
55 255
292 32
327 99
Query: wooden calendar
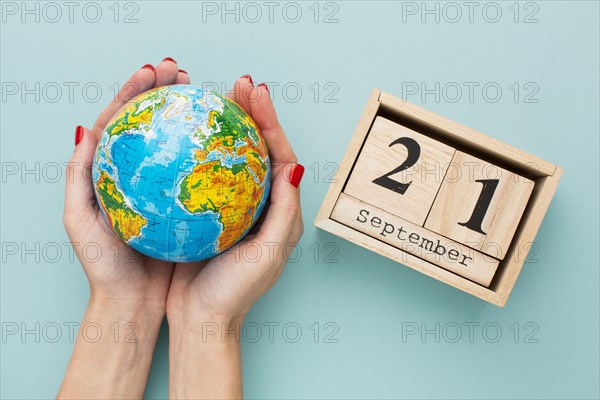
439 197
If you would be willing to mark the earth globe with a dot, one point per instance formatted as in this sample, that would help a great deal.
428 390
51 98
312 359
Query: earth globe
181 173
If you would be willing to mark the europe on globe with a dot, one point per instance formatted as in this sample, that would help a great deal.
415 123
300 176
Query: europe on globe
181 174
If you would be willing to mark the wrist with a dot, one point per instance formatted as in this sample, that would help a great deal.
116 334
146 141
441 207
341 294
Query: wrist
131 306
182 312
124 321
200 321
205 356
113 350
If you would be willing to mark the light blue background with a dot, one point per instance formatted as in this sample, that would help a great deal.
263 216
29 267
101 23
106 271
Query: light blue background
370 299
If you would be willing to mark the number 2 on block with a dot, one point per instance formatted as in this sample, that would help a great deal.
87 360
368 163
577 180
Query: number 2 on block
414 151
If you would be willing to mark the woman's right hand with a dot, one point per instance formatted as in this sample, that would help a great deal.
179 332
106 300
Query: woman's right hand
208 300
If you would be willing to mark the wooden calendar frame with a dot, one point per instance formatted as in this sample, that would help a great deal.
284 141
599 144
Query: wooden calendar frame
545 175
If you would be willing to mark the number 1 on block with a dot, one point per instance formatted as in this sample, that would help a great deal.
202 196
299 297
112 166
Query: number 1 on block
480 205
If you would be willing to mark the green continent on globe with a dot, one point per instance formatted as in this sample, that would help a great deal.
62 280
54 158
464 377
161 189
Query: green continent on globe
137 115
231 192
124 220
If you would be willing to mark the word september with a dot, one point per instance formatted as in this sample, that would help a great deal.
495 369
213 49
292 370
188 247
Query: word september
414 238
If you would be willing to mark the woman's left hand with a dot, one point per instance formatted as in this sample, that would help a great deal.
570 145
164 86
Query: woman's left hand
128 291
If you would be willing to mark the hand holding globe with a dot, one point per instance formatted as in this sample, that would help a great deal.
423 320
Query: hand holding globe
128 285
119 273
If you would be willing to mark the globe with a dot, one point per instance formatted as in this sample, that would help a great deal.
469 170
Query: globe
181 174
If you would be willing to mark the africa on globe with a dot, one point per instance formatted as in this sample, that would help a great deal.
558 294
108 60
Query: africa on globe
181 174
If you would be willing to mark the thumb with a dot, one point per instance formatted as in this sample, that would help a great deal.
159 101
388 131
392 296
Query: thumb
284 213
79 192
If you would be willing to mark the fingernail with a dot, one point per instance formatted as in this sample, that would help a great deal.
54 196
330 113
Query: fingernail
78 134
296 174
264 85
183 71
170 59
247 76
149 66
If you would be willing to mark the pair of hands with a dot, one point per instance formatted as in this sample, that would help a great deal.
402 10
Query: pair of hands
221 289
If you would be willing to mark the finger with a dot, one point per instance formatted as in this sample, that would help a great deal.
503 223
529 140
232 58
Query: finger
182 78
166 72
265 117
79 191
242 92
284 211
297 231
143 79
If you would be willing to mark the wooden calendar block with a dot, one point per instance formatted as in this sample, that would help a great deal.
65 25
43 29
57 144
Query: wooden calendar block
412 207
399 170
414 239
479 204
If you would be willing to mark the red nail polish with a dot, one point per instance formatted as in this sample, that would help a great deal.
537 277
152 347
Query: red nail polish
183 71
247 76
296 174
78 134
149 66
266 87
170 59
